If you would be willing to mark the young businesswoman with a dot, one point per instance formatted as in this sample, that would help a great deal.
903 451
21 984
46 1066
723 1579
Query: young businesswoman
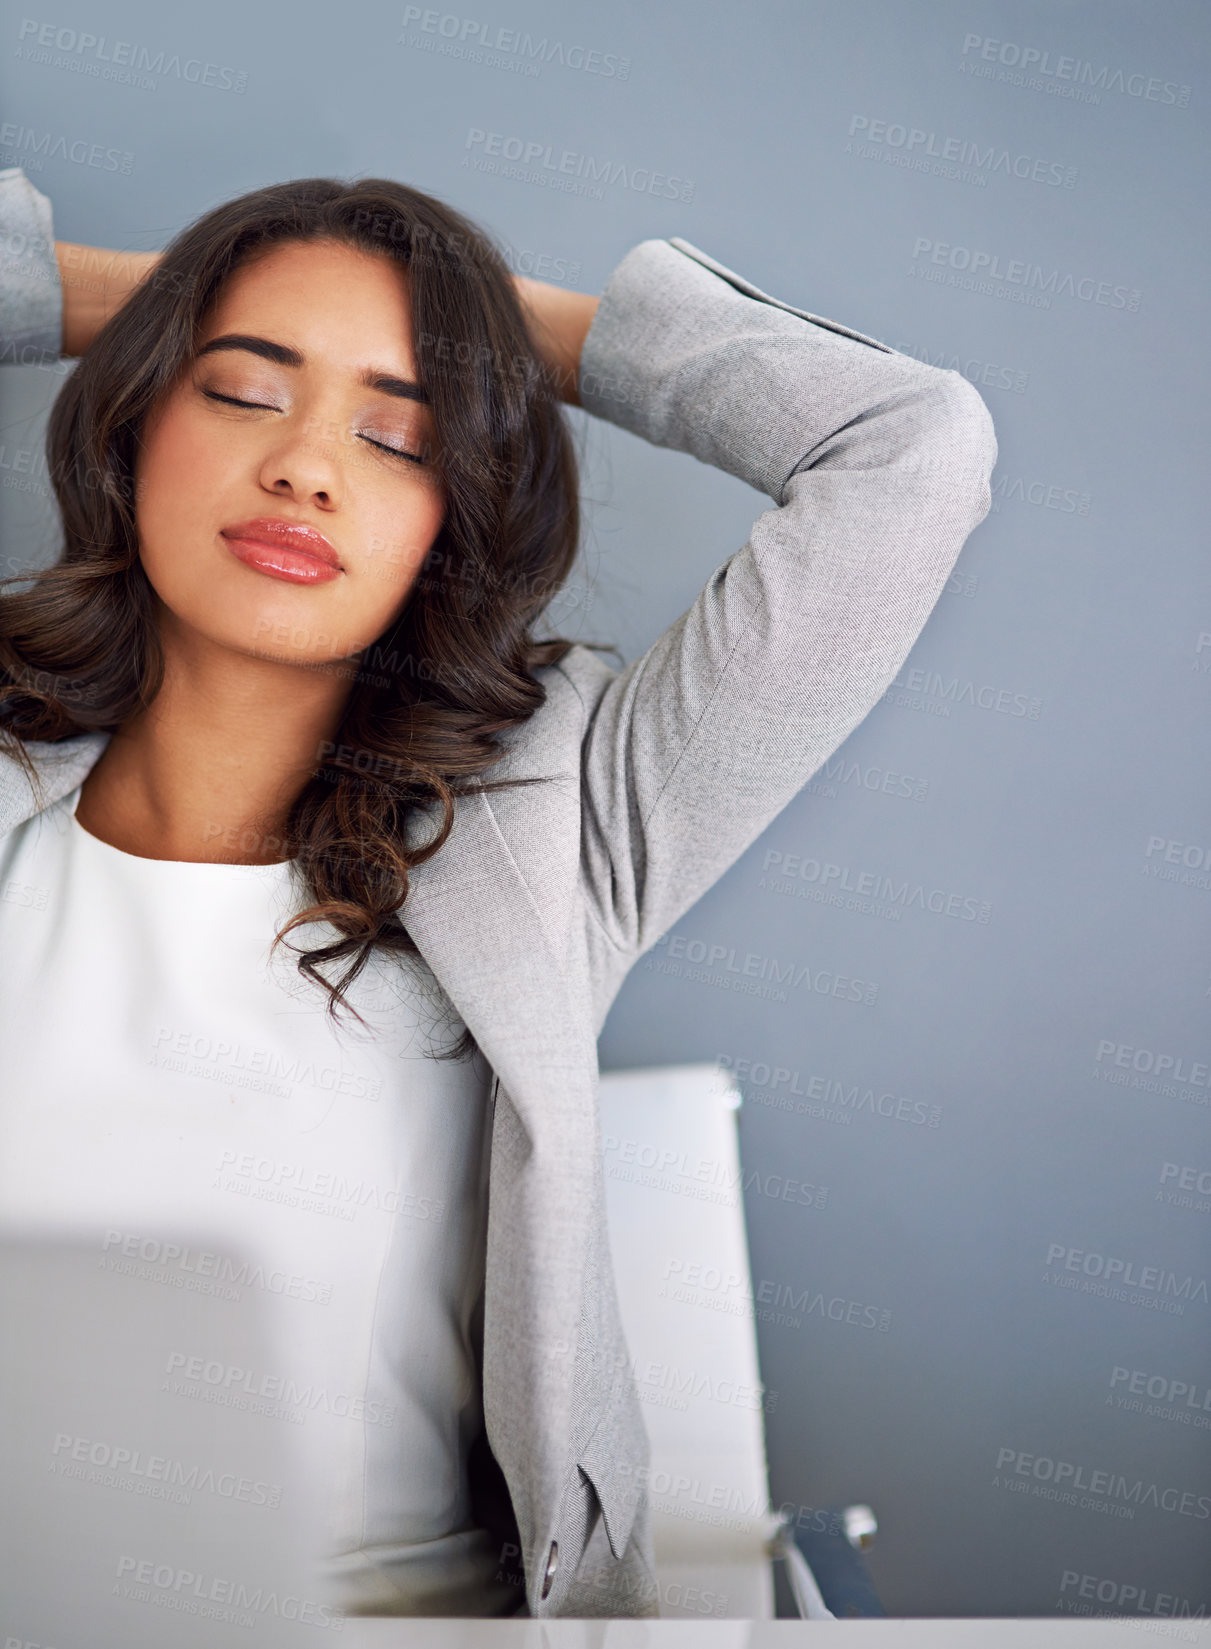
315 494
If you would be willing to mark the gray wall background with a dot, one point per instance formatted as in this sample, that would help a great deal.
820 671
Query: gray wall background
1004 1125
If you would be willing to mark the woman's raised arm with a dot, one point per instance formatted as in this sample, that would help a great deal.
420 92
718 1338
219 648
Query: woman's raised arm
96 282
54 295
878 467
30 298
558 323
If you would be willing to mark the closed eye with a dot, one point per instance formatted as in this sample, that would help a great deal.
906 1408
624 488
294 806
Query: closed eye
233 401
230 400
396 452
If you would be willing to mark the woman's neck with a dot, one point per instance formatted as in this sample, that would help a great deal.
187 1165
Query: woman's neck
209 771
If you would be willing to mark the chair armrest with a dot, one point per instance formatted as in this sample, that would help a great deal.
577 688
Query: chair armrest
825 1568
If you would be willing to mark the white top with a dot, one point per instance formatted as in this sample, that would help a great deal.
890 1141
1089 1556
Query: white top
160 1073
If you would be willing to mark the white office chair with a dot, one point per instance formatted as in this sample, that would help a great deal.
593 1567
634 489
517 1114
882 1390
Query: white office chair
677 1232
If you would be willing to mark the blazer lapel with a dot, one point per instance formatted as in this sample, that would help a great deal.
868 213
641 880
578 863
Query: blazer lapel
61 767
479 928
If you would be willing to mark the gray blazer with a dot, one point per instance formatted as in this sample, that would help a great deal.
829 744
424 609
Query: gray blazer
662 774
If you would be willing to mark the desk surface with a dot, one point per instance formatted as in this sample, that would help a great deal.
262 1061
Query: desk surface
1133 1632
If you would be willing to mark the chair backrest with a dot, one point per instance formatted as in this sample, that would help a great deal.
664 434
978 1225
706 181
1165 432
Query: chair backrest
677 1233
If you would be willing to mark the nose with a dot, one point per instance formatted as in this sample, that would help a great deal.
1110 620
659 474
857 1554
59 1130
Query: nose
303 466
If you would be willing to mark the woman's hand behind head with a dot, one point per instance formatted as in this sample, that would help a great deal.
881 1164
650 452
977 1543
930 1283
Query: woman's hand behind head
96 282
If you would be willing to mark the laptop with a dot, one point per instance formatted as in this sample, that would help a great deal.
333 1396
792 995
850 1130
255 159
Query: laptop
154 1487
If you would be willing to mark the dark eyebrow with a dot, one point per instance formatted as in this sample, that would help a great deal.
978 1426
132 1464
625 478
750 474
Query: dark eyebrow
283 355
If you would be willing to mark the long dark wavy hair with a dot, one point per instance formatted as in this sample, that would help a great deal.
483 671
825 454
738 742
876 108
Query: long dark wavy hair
429 701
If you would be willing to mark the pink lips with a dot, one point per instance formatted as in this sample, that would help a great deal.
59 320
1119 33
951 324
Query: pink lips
283 549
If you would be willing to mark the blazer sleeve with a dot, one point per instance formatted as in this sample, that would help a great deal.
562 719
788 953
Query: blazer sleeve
878 467
31 296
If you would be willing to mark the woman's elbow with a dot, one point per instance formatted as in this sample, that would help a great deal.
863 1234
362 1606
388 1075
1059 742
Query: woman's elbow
969 424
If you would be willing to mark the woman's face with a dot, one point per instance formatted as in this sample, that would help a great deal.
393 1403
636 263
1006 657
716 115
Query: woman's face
336 437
